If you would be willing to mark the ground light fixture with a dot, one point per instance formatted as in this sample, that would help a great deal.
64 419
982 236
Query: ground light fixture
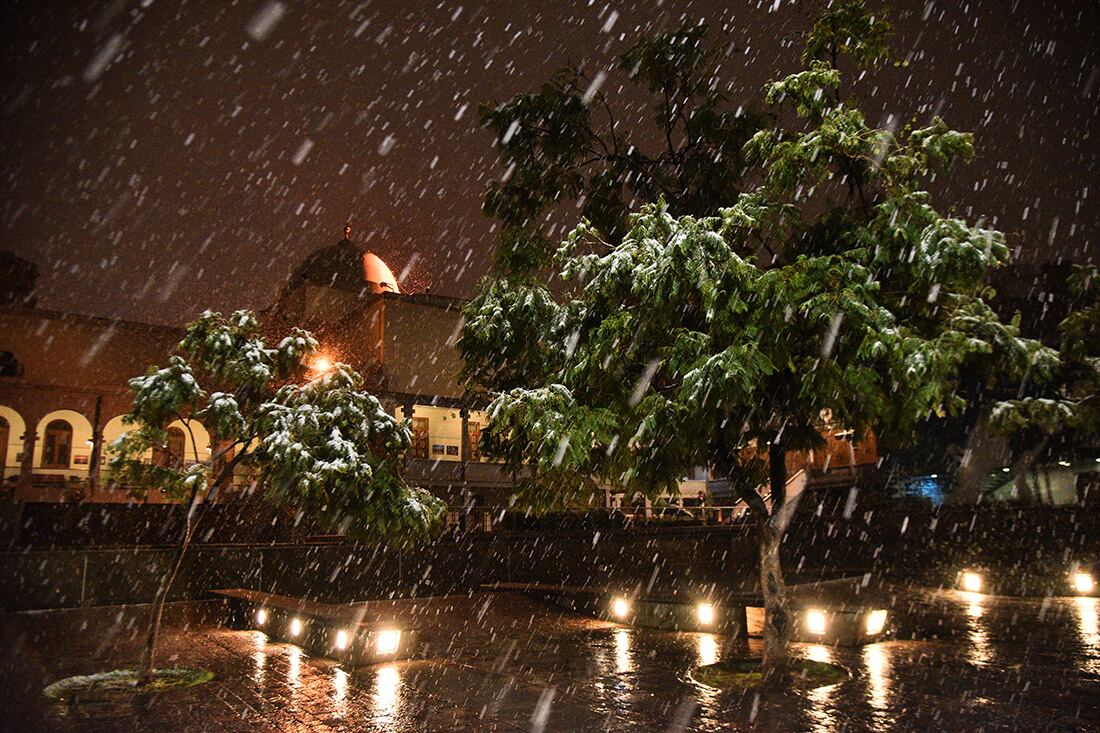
1083 583
620 607
387 641
876 622
295 626
261 617
705 613
972 581
341 640
815 621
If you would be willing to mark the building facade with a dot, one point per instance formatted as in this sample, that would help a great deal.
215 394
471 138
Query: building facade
63 388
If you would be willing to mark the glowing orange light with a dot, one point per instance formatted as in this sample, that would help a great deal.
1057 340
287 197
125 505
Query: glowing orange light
320 365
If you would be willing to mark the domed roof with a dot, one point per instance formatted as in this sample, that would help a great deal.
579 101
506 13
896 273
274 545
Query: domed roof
377 272
345 266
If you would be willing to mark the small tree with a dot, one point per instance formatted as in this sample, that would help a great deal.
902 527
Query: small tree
321 445
678 347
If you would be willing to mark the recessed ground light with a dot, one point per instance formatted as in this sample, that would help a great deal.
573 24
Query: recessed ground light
386 642
972 582
815 621
876 621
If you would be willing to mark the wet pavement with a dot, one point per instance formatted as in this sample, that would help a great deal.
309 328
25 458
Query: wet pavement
506 663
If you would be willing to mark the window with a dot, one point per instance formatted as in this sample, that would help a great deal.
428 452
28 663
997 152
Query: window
420 438
172 454
473 441
9 365
58 445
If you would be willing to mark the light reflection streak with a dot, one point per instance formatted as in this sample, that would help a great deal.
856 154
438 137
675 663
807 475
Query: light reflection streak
623 659
877 662
708 649
979 653
821 698
1088 628
340 693
259 656
294 672
387 690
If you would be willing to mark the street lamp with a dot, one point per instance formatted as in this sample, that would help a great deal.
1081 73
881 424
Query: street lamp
620 608
320 365
1083 583
705 613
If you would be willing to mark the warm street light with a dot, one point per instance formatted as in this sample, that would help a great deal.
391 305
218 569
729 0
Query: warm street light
341 639
295 626
705 613
876 622
815 621
261 617
620 608
387 641
320 365
1083 583
972 582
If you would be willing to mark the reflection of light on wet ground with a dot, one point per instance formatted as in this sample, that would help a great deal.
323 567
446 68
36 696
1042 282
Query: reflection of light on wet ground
340 692
876 660
821 698
294 659
1088 628
979 652
387 690
819 653
259 656
708 649
623 662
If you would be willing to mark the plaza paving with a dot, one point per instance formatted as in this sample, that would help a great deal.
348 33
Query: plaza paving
511 664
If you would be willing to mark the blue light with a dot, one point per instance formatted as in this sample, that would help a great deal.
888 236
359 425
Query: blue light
926 487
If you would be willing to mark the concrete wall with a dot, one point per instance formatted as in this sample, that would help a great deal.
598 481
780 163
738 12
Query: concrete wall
1021 551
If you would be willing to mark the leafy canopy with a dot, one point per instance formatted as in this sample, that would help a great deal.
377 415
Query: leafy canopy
563 143
321 445
833 287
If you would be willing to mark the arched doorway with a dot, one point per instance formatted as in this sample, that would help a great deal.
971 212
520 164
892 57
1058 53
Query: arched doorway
57 444
5 436
172 453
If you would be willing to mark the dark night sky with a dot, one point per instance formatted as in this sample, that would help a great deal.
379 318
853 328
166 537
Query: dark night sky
159 159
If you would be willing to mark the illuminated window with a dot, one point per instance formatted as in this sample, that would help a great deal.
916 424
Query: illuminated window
57 445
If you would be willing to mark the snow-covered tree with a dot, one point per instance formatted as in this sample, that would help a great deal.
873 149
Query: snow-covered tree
321 445
833 287
1056 409
566 142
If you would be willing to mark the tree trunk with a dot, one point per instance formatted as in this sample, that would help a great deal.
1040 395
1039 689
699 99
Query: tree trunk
777 626
145 672
777 620
1022 467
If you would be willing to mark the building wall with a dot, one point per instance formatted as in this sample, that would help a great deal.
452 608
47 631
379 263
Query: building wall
419 348
67 365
